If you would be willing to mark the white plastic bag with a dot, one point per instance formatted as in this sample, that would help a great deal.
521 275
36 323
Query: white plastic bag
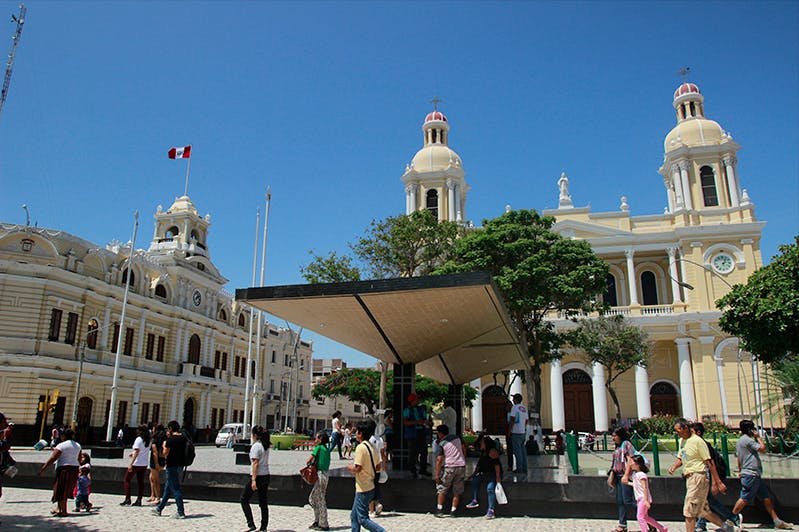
383 476
500 493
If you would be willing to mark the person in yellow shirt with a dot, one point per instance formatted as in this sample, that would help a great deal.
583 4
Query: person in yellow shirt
365 470
694 458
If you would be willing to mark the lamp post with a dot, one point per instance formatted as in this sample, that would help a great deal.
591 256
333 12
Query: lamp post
80 373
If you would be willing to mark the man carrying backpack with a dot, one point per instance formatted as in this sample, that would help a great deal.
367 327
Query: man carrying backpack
175 451
721 468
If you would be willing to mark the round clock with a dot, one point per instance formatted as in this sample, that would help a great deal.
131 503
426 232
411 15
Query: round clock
723 263
197 298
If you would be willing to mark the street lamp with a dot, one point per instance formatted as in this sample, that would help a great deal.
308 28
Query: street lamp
80 373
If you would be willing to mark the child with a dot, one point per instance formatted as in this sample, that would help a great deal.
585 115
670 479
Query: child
637 469
84 483
348 440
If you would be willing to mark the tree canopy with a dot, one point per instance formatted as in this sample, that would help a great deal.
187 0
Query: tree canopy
331 269
764 312
538 271
614 343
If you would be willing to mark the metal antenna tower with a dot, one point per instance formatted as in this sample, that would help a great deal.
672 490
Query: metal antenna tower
20 20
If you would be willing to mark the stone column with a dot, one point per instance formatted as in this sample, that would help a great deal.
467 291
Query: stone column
450 200
686 378
229 411
677 184
631 280
408 199
413 190
644 406
134 411
106 327
179 342
686 185
181 405
556 396
600 398
458 206
732 180
140 341
404 375
477 408
675 288
173 411
725 413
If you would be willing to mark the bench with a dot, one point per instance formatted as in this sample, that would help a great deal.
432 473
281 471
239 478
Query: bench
303 445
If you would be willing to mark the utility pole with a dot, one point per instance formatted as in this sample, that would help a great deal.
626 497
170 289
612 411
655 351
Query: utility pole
20 20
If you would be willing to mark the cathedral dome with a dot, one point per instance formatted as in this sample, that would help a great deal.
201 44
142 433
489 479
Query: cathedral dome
435 115
435 157
695 132
686 88
183 204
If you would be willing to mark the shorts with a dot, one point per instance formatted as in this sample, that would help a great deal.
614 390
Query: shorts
752 487
697 487
452 478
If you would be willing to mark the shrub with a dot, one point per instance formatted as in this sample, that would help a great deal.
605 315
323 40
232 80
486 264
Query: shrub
657 424
715 426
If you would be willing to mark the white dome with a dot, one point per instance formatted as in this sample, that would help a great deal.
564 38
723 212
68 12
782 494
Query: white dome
435 158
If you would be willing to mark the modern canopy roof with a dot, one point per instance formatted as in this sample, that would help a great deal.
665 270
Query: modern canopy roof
455 328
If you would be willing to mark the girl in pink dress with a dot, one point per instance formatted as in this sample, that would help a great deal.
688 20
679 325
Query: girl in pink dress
635 476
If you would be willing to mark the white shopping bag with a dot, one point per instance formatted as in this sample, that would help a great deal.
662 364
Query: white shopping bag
500 493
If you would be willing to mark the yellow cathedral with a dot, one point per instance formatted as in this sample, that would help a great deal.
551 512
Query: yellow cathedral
666 272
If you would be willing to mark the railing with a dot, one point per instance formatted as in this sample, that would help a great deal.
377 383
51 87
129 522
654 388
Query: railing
657 310
205 371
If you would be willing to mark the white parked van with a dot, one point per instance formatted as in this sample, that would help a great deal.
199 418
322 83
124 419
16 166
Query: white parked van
230 431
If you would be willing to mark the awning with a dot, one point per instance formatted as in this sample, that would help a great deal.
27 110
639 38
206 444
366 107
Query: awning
455 328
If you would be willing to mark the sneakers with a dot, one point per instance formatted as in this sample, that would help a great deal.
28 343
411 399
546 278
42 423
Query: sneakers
378 508
441 514
473 504
490 514
178 516
156 511
782 525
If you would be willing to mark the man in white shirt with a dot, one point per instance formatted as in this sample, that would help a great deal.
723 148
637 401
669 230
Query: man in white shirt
517 419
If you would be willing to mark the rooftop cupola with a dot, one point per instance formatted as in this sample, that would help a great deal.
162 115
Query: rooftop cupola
688 102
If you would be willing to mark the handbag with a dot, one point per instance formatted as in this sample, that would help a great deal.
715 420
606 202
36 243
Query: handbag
377 495
383 476
310 474
500 493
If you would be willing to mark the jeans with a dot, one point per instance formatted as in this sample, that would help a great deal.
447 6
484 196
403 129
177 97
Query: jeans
717 508
519 453
477 479
262 483
359 517
417 452
335 441
624 499
172 487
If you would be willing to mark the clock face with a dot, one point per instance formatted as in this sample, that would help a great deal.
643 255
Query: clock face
197 298
723 263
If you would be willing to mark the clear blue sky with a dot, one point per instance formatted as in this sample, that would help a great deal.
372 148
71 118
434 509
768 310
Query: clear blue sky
324 102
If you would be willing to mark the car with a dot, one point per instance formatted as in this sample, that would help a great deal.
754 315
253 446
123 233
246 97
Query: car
234 431
586 440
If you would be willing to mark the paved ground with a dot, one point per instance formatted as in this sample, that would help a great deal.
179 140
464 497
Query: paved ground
27 509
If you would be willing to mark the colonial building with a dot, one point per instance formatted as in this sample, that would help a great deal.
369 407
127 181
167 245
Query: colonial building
184 340
321 411
666 272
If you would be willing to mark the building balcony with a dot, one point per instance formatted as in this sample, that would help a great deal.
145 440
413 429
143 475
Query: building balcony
196 370
627 311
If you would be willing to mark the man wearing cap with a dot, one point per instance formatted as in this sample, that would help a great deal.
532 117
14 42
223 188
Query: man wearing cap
415 422
517 419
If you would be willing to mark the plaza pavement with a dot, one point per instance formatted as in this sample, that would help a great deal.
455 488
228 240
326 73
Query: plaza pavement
29 509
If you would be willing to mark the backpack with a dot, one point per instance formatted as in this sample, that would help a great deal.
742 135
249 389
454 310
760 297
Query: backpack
718 461
188 458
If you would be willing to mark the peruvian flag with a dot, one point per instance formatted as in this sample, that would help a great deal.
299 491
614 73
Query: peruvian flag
180 153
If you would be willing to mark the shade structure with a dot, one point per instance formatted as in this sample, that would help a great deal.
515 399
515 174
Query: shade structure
455 328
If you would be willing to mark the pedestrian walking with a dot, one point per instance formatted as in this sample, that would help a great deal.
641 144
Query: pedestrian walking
139 460
320 456
65 455
715 505
748 450
415 423
694 458
388 434
157 462
376 506
337 434
348 440
450 469
365 471
517 419
174 451
6 462
84 483
635 476
625 498
488 468
259 478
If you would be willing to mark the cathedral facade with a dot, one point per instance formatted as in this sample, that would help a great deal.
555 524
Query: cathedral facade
666 272
184 341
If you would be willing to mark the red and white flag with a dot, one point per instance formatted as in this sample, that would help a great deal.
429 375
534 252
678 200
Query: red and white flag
183 152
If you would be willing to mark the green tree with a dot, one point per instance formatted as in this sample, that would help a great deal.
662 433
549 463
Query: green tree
331 269
614 343
787 373
764 313
538 272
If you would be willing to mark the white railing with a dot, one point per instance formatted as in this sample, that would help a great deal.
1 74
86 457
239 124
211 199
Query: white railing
657 310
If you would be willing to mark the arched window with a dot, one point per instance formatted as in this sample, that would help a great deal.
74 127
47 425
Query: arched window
194 349
91 334
432 202
708 186
649 289
242 320
172 232
125 278
160 290
610 291
222 315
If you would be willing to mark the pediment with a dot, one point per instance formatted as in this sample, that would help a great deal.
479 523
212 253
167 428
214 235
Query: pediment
586 230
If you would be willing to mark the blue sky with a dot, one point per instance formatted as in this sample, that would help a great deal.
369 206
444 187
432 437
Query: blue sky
324 102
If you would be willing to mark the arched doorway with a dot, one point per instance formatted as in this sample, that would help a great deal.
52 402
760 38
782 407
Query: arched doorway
188 414
494 410
578 401
663 399
82 427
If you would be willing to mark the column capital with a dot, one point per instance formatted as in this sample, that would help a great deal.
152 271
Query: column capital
672 251
682 341
729 159
683 165
675 167
629 253
450 183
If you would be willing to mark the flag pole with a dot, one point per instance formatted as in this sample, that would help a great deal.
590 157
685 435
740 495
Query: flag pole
260 317
252 319
188 170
